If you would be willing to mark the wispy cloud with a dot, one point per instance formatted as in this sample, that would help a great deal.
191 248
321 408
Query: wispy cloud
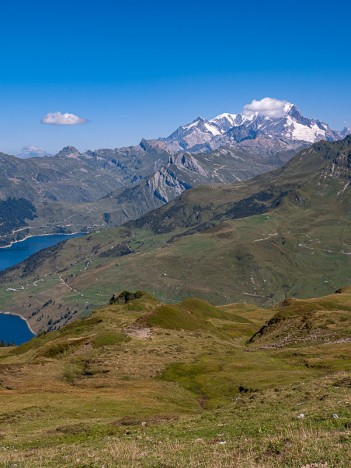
268 107
32 151
57 118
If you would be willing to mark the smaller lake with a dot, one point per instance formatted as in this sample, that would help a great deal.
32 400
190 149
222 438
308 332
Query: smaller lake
14 329
19 251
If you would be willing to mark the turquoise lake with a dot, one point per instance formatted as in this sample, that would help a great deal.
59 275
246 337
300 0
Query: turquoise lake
13 329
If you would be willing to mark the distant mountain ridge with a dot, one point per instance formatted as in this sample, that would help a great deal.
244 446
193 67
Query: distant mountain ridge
264 127
75 191
64 188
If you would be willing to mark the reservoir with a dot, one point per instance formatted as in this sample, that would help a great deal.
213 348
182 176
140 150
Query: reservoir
19 251
14 329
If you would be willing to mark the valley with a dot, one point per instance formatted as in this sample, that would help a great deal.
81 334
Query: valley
73 194
281 234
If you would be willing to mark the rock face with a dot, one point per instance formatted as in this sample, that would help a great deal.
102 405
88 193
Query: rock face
182 172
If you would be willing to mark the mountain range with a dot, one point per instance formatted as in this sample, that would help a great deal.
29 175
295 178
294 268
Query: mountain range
74 191
285 129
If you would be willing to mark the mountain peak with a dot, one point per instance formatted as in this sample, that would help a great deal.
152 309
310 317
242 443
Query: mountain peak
68 152
293 111
194 122
345 131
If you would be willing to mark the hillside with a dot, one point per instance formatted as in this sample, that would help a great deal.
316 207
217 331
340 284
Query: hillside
143 383
282 233
312 322
75 191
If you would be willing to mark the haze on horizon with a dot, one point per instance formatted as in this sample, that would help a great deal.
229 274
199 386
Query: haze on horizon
117 73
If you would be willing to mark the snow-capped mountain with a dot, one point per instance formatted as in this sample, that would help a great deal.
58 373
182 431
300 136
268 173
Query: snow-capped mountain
268 119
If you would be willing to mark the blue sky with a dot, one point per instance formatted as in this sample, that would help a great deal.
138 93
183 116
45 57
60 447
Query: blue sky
140 69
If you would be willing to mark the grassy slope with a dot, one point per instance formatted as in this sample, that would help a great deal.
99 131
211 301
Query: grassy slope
130 387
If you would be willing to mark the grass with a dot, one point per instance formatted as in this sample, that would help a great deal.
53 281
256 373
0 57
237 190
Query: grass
250 432
327 320
175 317
109 339
149 384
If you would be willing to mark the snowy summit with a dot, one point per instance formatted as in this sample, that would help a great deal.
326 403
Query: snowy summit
267 118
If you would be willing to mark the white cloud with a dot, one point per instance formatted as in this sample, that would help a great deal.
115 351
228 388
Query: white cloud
57 118
268 107
32 151
31 148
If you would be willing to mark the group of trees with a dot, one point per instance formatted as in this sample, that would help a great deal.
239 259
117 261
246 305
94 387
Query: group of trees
14 212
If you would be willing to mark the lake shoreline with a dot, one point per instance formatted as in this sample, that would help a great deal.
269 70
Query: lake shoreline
21 317
42 235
